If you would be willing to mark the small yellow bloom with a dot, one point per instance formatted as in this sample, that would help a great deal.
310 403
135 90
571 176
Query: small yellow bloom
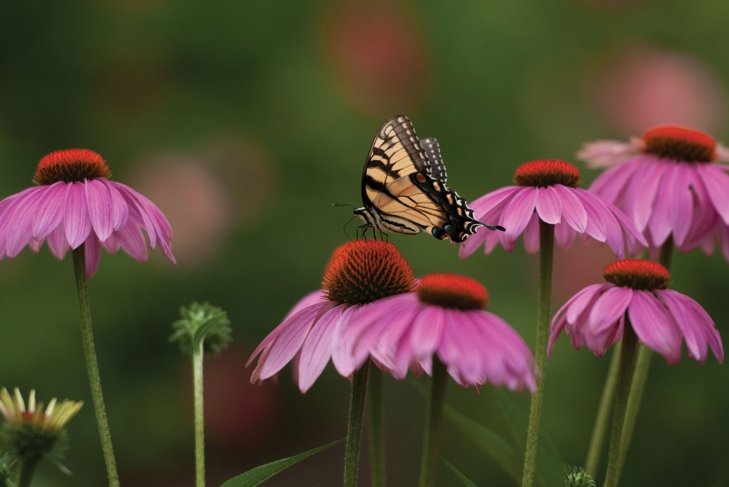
51 418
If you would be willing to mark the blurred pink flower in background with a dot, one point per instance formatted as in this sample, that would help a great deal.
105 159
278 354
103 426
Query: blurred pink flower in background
378 54
642 86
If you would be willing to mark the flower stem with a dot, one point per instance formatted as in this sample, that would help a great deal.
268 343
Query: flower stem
376 428
27 470
199 406
433 424
592 462
546 251
92 366
640 375
628 354
357 401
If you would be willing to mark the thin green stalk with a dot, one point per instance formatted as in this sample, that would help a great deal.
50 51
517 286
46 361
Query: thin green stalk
433 424
546 251
92 366
27 470
376 429
197 385
357 400
642 368
592 463
628 354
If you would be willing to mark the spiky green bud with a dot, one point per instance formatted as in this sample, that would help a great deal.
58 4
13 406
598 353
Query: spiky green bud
577 477
202 323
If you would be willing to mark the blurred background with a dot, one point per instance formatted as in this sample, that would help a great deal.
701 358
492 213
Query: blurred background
244 121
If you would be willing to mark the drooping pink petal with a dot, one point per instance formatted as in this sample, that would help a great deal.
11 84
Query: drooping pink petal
642 192
613 183
717 186
660 220
564 235
681 209
549 205
492 200
76 216
606 153
518 212
573 212
531 235
92 255
608 308
131 240
119 209
20 220
317 349
427 330
98 202
49 212
572 311
653 326
343 344
57 242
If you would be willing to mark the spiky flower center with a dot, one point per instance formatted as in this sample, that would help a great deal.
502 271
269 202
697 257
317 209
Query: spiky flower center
637 274
70 165
681 144
547 173
452 291
363 271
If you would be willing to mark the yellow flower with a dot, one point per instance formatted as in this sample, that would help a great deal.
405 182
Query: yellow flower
51 418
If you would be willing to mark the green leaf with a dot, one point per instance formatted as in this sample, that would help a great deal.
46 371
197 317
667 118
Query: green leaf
258 475
494 445
549 461
458 473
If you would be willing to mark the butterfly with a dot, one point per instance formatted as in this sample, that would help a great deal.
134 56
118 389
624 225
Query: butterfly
404 187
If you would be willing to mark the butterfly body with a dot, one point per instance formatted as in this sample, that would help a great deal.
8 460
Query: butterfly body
404 187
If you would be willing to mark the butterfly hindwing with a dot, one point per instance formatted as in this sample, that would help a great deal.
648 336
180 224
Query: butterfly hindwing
404 190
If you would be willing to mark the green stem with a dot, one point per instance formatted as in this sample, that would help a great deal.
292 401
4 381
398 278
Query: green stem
197 384
433 424
27 470
546 251
357 401
628 354
92 366
642 367
592 463
376 428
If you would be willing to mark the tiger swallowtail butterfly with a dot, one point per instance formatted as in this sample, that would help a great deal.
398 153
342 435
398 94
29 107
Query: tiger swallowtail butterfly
404 187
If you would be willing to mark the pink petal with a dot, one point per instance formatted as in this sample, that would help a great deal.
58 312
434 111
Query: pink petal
57 242
717 186
549 205
343 344
531 235
605 153
119 208
642 193
317 348
49 212
20 219
76 217
573 213
681 205
492 200
92 255
614 183
98 202
654 326
518 212
608 309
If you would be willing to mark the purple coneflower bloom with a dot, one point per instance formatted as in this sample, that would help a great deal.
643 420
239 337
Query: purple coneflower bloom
443 320
548 191
636 295
358 275
76 204
669 182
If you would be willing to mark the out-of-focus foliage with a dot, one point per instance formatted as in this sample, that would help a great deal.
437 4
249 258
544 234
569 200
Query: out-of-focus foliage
244 121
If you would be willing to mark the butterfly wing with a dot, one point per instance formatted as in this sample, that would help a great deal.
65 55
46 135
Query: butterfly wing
400 191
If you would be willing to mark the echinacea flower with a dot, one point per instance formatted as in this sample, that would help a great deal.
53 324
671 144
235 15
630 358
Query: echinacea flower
358 274
670 182
548 191
445 320
636 295
32 429
75 203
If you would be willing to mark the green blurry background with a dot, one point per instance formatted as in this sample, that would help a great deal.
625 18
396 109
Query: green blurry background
244 121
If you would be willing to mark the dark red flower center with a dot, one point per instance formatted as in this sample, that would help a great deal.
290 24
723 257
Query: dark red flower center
637 274
547 173
452 291
363 271
681 144
71 165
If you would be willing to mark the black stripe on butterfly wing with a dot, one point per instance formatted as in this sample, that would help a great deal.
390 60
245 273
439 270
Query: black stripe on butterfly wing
435 158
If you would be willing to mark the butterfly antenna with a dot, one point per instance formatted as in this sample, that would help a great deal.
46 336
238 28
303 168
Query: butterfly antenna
343 204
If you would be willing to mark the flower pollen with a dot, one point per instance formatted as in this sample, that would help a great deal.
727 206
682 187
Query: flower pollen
452 291
681 144
637 274
70 165
547 173
363 271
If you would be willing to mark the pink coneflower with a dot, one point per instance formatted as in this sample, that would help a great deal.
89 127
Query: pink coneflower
669 182
76 204
359 273
548 191
636 295
444 319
